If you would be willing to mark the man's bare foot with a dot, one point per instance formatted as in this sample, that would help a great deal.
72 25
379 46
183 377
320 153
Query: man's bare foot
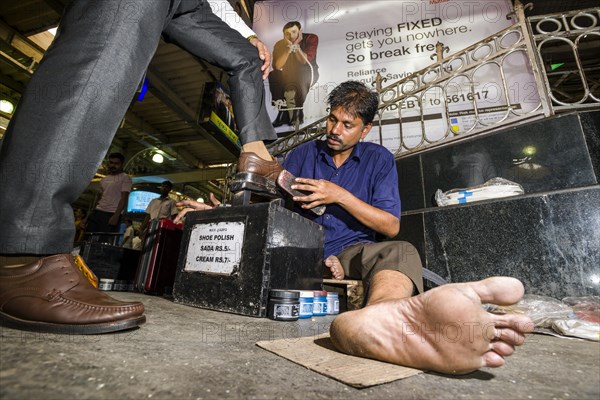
444 330
335 267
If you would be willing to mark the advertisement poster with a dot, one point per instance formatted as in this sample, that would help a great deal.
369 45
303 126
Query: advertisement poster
355 40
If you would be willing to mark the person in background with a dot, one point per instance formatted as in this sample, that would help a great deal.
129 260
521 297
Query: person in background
160 207
136 242
128 235
79 225
116 186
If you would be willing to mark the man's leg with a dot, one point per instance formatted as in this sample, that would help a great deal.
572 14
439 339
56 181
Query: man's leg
389 270
389 285
444 330
301 94
98 222
290 101
276 87
277 98
67 117
63 127
196 29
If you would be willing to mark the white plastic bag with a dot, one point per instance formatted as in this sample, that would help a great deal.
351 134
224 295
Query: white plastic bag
493 189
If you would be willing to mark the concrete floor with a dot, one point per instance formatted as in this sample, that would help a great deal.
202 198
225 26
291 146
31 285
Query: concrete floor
184 352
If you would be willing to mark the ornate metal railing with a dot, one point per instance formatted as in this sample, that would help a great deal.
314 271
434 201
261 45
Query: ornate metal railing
568 50
480 89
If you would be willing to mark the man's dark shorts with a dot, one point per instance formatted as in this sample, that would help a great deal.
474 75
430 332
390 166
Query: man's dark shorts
363 260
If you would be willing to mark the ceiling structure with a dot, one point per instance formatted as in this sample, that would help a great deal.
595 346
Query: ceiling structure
166 121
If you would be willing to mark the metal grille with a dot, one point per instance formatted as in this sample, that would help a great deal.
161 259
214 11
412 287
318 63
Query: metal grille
429 103
568 50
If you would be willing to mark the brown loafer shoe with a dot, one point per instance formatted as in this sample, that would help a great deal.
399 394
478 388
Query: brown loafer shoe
250 162
52 295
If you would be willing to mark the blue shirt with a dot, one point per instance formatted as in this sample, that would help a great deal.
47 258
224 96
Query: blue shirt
369 174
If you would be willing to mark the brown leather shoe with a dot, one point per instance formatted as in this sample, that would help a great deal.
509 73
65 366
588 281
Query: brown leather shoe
52 295
250 162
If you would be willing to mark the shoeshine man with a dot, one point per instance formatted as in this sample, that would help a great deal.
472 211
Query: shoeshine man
444 329
63 127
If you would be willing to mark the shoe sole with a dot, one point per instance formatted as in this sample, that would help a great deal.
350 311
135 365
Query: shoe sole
285 180
68 329
253 182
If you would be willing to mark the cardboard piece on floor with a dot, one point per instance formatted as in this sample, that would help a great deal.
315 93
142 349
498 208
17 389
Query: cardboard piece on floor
319 355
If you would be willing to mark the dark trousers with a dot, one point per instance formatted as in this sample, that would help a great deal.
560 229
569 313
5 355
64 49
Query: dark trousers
364 260
279 83
72 106
98 222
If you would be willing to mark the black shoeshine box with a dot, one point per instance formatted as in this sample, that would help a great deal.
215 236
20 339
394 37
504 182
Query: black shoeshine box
231 257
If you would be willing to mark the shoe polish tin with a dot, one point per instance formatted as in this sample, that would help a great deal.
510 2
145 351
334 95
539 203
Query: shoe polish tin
284 305
320 303
306 303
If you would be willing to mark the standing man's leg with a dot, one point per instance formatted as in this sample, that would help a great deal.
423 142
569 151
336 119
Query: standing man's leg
63 127
195 28
198 30
67 118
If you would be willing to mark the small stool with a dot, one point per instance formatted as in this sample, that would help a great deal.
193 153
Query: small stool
351 291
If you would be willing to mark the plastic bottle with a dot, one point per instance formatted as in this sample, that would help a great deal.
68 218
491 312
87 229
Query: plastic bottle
333 303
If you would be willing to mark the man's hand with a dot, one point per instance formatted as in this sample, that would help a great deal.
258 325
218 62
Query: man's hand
114 220
325 192
191 205
298 39
322 192
263 54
